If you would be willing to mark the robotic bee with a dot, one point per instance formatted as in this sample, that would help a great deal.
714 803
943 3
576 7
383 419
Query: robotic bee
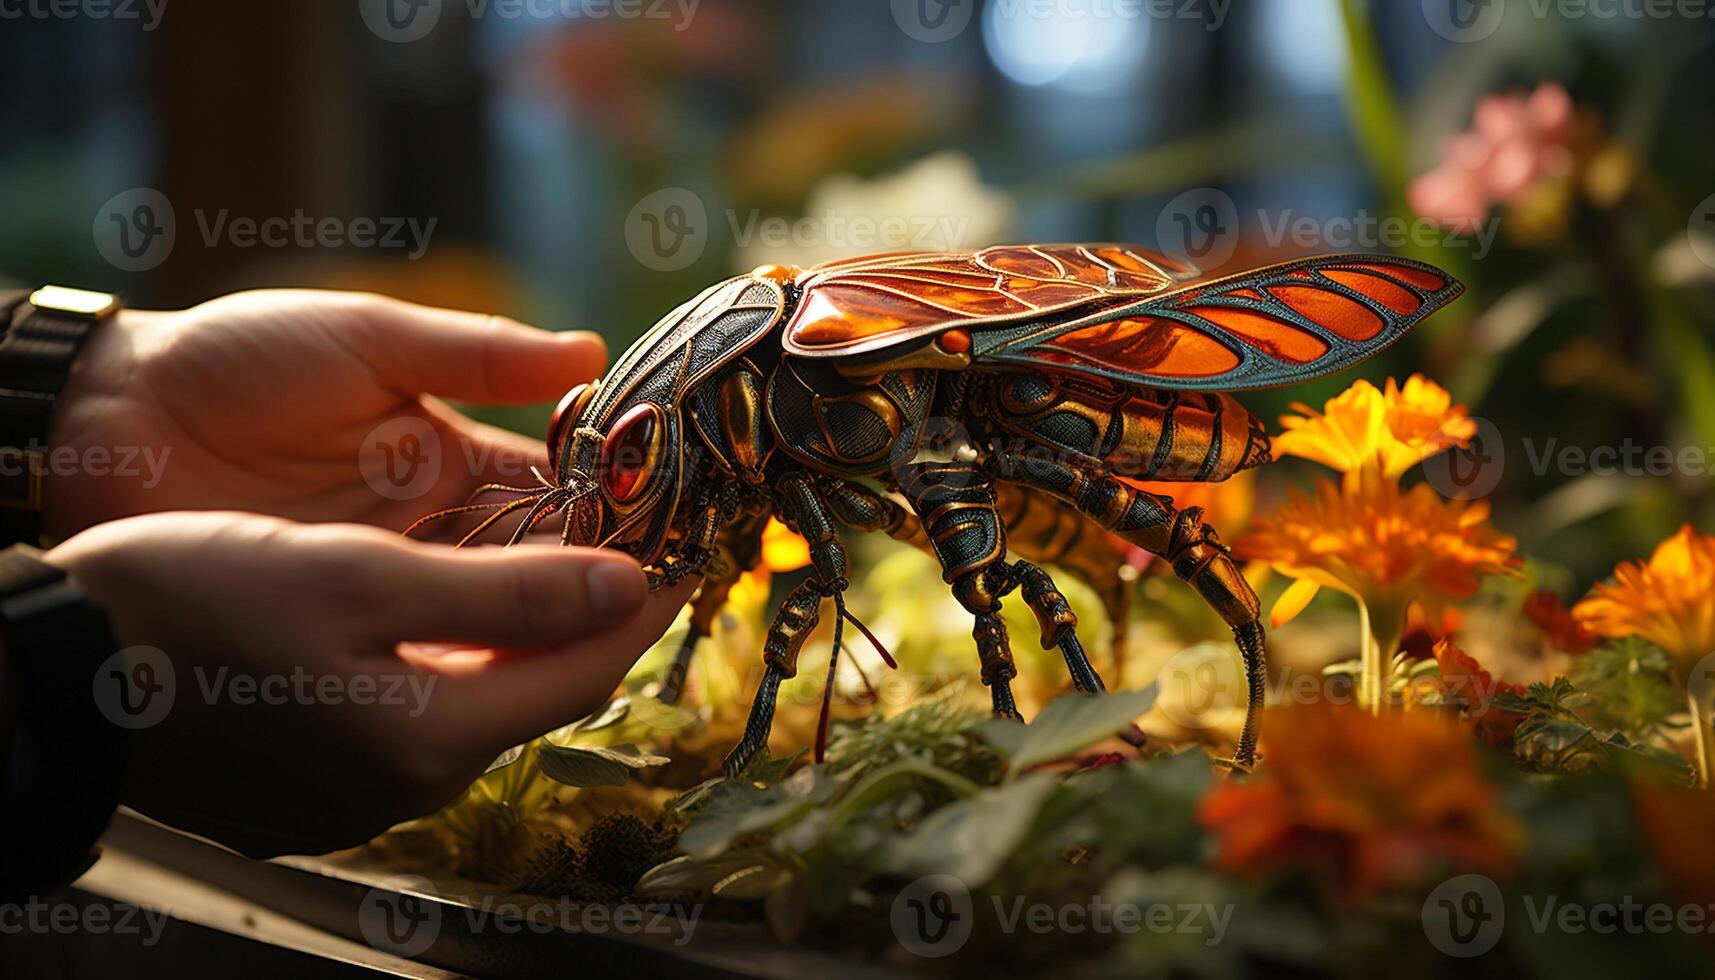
944 398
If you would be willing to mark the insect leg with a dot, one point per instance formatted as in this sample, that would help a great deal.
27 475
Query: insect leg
1059 623
1044 530
955 502
737 550
857 506
1180 536
792 625
804 511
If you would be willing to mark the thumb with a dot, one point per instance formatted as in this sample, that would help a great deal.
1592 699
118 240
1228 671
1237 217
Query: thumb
476 357
526 597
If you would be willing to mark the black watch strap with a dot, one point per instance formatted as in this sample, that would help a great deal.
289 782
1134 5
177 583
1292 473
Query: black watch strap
66 759
43 332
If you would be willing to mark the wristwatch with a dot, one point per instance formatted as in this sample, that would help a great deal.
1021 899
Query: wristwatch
66 753
43 332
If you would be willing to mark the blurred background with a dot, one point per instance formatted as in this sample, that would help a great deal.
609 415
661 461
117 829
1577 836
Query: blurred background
591 163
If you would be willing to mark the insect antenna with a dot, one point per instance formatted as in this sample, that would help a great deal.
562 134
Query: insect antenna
546 503
888 657
441 515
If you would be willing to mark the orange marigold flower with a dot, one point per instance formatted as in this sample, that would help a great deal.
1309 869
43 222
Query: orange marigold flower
1369 804
1465 682
1666 600
1385 545
1545 610
1395 429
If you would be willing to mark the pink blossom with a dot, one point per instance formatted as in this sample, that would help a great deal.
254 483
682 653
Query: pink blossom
1514 142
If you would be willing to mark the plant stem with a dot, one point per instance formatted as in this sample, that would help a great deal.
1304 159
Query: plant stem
1700 726
1379 632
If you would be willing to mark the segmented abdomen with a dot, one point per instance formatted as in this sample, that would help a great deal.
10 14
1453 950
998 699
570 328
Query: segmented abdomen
1141 433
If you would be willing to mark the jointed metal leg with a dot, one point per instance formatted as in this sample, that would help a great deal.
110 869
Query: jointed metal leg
792 625
738 549
1059 623
1179 536
955 502
804 511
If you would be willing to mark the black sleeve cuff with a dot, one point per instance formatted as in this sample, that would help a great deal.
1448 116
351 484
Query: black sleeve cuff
65 762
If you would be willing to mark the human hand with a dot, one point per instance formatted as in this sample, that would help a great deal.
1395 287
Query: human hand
455 655
270 402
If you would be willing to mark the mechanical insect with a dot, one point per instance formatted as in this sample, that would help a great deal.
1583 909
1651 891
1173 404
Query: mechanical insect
995 407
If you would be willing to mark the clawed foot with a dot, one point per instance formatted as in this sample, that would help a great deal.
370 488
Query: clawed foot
1004 706
757 727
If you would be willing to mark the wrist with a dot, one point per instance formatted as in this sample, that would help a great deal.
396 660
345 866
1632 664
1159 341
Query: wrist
90 414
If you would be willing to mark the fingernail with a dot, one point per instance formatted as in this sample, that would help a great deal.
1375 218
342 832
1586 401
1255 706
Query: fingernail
615 588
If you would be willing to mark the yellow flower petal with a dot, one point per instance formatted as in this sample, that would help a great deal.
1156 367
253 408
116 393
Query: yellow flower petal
1293 601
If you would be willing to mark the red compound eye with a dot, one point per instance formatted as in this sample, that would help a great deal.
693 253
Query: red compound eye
565 419
629 455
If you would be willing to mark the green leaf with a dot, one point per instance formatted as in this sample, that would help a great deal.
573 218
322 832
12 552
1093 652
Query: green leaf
611 714
584 766
972 838
1069 723
735 808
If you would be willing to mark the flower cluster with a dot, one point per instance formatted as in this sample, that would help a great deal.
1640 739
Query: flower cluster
1385 545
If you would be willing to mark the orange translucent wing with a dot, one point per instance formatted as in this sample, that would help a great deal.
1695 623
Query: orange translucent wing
1274 326
856 306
